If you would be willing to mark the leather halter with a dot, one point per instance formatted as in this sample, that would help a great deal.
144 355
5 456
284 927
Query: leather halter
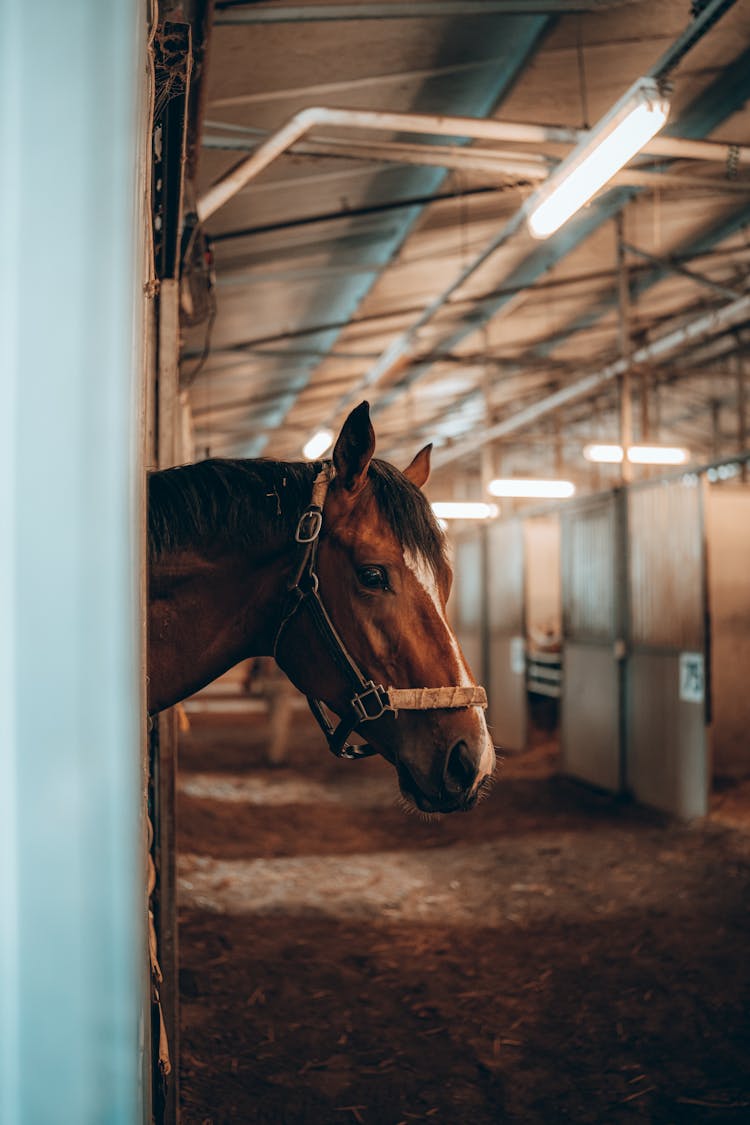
368 700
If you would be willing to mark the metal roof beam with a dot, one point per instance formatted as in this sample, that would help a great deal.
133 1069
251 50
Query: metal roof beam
719 320
705 113
668 265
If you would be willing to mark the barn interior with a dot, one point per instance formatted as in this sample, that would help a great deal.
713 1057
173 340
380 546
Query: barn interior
359 238
335 203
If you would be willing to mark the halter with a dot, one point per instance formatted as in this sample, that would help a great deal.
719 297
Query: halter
368 700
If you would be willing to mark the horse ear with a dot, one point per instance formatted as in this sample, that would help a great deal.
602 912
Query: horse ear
354 448
419 470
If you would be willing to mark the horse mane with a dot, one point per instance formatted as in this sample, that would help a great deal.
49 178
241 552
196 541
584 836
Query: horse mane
243 502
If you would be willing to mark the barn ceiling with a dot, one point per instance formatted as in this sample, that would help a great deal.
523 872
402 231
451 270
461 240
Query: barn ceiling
392 264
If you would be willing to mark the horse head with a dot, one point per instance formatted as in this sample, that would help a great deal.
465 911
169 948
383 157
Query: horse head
382 578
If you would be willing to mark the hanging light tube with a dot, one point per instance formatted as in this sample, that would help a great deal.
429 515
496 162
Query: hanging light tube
317 445
521 489
657 455
613 141
464 510
637 454
603 454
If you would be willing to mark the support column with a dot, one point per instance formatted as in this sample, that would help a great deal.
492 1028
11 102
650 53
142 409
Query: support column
624 384
174 48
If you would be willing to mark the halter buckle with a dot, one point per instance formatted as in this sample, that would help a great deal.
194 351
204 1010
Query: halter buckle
309 526
370 703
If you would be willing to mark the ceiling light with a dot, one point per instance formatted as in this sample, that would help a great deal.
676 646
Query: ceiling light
603 454
532 489
464 510
613 141
638 454
317 445
657 455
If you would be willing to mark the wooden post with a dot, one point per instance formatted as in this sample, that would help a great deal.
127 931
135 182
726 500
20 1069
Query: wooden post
168 431
174 39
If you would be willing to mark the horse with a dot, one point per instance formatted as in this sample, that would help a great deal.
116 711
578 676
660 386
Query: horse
331 567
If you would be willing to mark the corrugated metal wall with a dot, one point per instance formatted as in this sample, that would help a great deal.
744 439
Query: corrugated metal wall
588 567
466 605
541 546
590 721
666 566
665 712
506 623
728 535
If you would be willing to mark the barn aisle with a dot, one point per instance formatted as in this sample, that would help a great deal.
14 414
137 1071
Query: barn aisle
552 956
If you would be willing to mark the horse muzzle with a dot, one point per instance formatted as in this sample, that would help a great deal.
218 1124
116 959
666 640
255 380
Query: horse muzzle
468 765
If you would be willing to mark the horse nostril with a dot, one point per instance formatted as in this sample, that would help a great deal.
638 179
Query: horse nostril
460 769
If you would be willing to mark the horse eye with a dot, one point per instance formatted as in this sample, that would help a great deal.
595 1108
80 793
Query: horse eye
373 577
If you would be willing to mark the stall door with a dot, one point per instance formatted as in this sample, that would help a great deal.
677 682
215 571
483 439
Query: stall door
466 605
508 708
666 718
591 709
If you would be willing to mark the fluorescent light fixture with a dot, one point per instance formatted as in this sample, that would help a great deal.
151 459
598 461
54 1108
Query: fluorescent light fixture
603 454
317 445
464 510
637 454
657 455
613 141
532 489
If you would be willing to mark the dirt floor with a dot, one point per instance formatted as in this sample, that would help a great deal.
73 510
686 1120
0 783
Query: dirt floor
554 955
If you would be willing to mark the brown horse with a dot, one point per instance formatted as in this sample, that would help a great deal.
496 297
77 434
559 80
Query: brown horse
332 568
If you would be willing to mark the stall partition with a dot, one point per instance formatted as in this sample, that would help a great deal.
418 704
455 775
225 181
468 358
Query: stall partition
506 679
728 543
667 765
466 606
593 646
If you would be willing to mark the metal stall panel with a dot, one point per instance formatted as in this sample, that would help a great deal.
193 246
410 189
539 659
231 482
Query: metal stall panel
466 605
543 606
666 732
591 602
728 544
506 678
542 598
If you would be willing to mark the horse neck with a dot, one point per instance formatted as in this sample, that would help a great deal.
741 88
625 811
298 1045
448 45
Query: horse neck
210 609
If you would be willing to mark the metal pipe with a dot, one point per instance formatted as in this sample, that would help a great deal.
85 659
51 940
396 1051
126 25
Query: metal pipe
709 325
529 166
429 125
233 13
674 267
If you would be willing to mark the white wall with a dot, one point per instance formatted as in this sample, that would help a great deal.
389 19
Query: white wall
70 891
